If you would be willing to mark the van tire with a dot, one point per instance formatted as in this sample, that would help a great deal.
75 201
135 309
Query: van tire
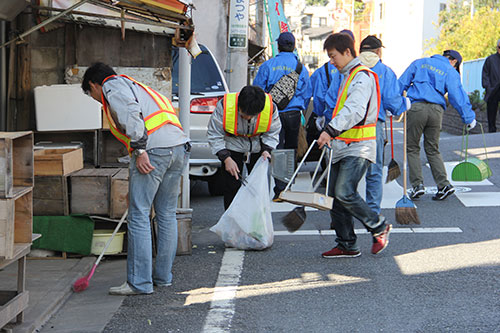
216 184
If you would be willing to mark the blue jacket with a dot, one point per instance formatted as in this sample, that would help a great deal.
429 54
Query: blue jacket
429 79
392 100
273 69
331 95
319 87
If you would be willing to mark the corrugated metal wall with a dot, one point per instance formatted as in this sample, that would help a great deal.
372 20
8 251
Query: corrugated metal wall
471 75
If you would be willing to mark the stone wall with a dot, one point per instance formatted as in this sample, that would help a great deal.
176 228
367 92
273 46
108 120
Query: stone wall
452 122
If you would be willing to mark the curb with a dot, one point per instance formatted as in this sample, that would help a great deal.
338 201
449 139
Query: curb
36 315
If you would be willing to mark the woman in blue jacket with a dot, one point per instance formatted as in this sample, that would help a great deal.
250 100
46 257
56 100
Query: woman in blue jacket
426 81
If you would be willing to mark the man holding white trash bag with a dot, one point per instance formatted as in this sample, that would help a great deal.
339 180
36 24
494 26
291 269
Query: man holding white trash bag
243 126
243 129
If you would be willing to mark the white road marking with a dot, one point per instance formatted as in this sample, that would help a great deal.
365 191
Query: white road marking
479 199
364 231
222 306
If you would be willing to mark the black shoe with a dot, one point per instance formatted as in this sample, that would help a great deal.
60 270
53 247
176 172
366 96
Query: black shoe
444 192
277 198
417 191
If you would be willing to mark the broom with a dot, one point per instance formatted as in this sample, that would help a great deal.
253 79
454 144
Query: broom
406 212
82 283
393 171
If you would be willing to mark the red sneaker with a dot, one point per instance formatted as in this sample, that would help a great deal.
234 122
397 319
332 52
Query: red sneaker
381 240
337 252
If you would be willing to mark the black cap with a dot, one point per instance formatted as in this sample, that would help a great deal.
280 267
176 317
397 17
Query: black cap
370 43
286 38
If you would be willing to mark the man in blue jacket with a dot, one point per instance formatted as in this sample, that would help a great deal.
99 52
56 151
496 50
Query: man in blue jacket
392 101
426 81
290 116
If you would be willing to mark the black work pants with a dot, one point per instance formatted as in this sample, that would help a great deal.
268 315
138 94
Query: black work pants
289 139
231 185
492 107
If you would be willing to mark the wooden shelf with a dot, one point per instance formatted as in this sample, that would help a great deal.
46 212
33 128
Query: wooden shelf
20 250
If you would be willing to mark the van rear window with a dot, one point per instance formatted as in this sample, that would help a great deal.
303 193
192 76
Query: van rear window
205 76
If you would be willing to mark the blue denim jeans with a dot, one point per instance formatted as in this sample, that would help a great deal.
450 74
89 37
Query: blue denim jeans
160 187
344 179
374 173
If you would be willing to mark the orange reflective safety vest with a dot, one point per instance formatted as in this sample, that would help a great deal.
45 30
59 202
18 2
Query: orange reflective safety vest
364 131
165 114
230 117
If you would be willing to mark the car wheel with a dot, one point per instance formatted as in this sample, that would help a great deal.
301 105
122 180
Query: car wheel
215 184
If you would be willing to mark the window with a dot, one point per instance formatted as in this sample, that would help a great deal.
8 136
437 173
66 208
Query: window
322 21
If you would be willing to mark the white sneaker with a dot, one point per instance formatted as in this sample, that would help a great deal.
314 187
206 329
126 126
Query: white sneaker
123 290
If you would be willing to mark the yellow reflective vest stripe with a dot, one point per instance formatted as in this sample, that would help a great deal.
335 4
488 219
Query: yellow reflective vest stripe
361 132
230 116
165 115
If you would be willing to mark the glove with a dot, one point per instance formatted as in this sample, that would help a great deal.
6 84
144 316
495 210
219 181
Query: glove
471 125
408 103
320 123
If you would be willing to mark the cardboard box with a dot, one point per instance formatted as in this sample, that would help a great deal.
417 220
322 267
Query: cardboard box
58 162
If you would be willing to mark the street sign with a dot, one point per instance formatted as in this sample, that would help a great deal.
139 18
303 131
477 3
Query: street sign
238 24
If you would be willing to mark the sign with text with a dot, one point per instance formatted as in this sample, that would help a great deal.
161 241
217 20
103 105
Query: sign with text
238 24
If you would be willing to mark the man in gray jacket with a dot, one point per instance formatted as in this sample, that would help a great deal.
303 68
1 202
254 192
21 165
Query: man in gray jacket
243 127
351 135
146 123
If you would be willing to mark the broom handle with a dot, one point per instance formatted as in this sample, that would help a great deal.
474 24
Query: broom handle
404 151
111 238
392 142
299 166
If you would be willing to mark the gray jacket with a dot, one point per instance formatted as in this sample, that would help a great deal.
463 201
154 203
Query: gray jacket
129 104
220 141
361 94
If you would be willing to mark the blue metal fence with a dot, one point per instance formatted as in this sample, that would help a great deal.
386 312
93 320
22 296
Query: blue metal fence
471 75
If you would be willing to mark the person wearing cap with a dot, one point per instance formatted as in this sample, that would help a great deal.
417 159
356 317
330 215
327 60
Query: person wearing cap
320 81
269 73
491 83
426 81
370 54
351 136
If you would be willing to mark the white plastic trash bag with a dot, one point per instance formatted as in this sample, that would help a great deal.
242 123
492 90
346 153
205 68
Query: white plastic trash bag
247 224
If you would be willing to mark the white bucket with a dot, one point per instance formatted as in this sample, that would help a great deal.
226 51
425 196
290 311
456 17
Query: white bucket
100 239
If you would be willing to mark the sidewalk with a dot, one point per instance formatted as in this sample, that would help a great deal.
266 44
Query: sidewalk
49 284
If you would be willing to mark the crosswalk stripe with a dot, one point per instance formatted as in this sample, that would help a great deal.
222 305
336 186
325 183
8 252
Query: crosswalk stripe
364 231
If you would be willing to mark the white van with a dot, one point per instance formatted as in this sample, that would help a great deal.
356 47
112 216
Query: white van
208 86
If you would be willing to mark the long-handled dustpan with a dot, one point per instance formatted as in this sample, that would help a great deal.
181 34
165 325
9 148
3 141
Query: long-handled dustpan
310 199
471 169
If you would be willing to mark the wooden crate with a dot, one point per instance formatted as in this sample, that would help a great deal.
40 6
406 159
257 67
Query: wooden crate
119 193
91 191
16 163
16 223
109 150
51 195
55 162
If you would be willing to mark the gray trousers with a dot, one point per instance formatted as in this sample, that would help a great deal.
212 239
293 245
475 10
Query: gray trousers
425 118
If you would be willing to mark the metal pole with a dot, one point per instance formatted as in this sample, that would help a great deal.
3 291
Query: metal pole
184 113
3 80
44 23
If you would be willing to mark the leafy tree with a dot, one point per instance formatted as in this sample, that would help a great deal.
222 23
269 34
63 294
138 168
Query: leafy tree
317 2
474 37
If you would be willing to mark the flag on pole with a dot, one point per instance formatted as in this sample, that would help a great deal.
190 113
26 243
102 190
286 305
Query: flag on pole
276 22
